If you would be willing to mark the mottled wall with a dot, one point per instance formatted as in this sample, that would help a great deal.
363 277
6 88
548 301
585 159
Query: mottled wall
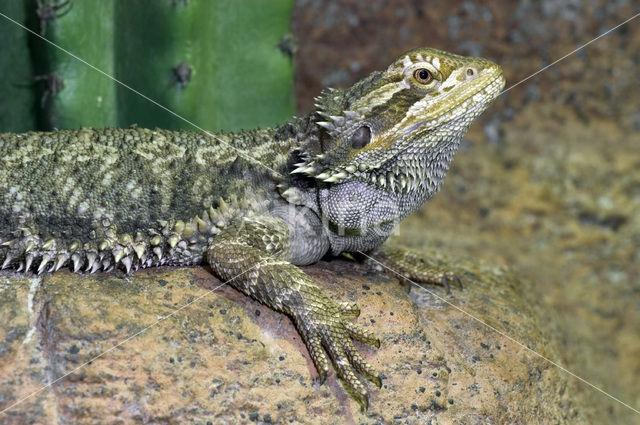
342 40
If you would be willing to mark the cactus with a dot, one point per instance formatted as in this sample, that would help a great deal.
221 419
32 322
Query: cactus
88 97
216 63
17 97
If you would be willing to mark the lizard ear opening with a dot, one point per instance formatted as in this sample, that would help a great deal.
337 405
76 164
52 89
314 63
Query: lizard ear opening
361 137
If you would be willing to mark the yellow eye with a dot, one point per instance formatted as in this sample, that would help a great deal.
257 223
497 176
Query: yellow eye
422 75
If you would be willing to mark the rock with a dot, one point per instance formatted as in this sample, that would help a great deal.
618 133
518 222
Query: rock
174 346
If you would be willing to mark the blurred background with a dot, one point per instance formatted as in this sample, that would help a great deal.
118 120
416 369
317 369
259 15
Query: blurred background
546 183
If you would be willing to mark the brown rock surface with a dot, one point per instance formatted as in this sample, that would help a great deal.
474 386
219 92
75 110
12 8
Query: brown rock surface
558 201
186 353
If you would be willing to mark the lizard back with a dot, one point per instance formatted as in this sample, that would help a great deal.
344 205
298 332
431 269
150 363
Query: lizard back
80 188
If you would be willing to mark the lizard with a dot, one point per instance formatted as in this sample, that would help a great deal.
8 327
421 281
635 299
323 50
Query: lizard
253 205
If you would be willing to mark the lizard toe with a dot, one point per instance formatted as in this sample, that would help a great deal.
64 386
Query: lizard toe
362 335
319 358
345 371
361 365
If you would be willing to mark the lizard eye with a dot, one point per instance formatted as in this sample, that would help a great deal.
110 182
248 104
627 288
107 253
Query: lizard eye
361 137
422 75
471 73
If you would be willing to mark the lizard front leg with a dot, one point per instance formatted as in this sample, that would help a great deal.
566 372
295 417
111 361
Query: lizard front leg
253 257
414 265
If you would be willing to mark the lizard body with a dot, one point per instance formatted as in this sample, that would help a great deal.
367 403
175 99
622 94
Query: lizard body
255 204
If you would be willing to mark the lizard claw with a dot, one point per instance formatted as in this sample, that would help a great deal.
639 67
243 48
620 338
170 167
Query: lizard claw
447 277
445 283
457 280
328 335
450 277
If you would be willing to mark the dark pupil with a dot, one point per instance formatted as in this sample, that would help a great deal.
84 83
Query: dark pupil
424 74
361 137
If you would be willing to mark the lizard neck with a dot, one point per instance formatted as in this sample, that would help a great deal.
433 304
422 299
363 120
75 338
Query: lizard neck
423 172
360 214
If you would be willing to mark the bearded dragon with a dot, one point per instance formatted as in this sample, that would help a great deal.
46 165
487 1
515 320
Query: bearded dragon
253 205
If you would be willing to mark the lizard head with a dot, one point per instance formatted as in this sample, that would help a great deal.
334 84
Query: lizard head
395 132
422 103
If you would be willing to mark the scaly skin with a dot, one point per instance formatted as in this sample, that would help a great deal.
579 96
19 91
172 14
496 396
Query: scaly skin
252 205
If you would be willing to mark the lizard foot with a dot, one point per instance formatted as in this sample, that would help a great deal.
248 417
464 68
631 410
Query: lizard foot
326 331
416 267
